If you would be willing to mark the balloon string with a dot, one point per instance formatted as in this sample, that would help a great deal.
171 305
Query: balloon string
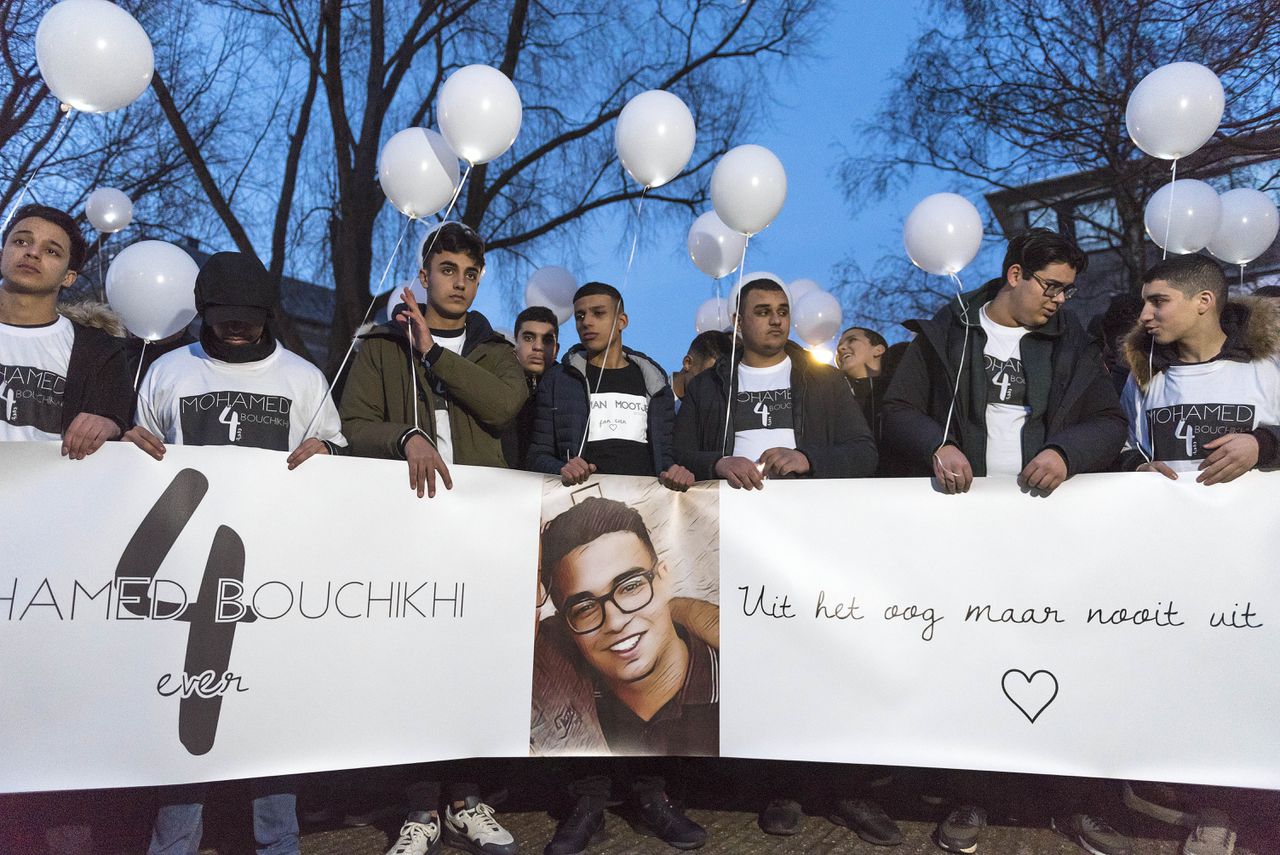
413 376
435 233
1242 278
613 328
964 350
53 147
102 286
635 240
733 345
1169 222
142 358
306 434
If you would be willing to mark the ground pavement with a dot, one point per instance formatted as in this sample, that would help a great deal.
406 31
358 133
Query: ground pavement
721 795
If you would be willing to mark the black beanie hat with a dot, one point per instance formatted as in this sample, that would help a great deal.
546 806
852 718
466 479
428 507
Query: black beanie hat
233 286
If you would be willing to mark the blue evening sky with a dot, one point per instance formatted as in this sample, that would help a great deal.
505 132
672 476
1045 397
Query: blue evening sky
840 83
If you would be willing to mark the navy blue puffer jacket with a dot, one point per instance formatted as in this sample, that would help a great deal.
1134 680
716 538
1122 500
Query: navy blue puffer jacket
562 407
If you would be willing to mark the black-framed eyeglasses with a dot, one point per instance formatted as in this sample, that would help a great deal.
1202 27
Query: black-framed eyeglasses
585 613
1053 289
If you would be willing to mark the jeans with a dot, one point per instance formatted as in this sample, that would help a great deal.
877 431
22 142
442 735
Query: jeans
180 823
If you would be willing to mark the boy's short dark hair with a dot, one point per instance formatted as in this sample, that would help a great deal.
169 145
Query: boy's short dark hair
454 237
591 518
1036 249
874 337
591 289
760 284
79 248
712 344
538 315
1191 274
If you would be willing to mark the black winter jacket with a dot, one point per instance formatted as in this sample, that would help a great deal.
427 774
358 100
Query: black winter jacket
829 426
1073 405
97 380
562 407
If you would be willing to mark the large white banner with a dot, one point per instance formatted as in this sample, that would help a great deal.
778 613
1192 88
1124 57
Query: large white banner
1124 627
217 616
387 629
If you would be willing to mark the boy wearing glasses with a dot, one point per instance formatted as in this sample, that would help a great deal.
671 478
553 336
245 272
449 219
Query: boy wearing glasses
656 685
1000 382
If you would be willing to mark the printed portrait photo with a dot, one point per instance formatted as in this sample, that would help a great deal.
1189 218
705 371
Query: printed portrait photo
627 651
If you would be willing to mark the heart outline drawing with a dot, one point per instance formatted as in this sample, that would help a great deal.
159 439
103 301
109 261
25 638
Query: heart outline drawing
1030 679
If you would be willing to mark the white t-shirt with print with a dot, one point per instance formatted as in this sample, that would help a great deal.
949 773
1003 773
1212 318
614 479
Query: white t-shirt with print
33 380
763 417
444 429
1006 387
1187 406
190 398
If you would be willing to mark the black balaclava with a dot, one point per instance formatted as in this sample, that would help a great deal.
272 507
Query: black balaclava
235 286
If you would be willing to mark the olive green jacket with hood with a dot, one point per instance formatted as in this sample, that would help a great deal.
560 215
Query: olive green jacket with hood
485 383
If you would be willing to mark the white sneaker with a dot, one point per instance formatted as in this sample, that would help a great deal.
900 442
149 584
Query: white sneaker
474 829
1214 835
420 835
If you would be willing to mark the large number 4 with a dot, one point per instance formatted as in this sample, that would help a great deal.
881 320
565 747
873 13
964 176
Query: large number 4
231 419
762 410
1184 432
10 402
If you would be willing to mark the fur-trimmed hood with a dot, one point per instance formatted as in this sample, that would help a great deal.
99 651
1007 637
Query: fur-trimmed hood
90 313
1252 325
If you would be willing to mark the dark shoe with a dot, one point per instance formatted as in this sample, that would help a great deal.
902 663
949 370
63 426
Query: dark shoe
782 817
960 831
1093 835
658 817
867 820
576 831
1160 802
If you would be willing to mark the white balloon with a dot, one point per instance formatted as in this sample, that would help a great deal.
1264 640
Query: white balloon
1174 110
108 210
418 172
715 248
816 317
94 56
748 188
713 315
798 288
942 233
1196 212
751 277
151 285
1248 226
654 137
552 286
479 113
